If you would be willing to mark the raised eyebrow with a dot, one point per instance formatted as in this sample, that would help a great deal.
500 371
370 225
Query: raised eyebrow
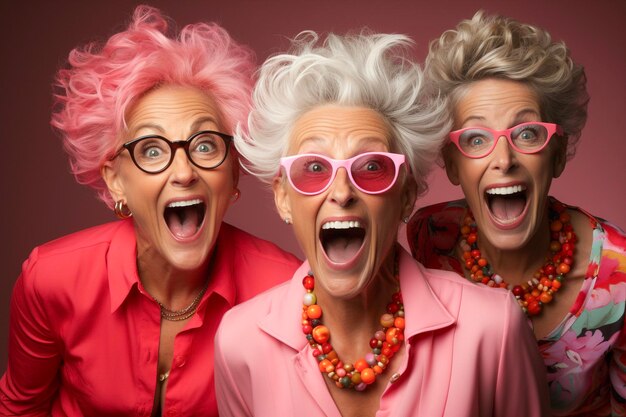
195 126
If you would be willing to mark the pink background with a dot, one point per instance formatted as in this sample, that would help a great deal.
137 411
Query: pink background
41 201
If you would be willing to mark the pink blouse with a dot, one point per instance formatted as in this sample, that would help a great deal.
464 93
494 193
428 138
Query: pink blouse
469 352
84 334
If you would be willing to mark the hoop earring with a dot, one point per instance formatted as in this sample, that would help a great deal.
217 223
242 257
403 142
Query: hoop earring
235 196
121 210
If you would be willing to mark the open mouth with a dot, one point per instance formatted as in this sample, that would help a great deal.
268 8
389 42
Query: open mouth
342 240
506 203
184 218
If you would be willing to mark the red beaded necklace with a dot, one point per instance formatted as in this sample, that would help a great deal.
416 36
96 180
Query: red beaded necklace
541 289
385 343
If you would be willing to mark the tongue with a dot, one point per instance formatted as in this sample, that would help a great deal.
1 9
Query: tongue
342 249
507 208
183 223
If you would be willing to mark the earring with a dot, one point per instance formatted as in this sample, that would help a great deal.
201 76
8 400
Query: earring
235 196
287 220
405 220
121 210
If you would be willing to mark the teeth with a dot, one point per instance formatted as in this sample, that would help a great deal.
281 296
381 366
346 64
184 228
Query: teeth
341 225
184 203
506 190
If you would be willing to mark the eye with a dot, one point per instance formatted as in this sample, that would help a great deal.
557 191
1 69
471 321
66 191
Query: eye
205 147
474 139
151 149
528 134
315 166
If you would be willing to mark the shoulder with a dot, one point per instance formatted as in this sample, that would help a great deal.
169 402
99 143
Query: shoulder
247 245
68 258
85 240
256 264
475 305
243 319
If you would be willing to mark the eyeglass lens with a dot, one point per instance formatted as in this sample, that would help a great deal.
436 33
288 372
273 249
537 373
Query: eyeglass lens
527 137
370 173
153 153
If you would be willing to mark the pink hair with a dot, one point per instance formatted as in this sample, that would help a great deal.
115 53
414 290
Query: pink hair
104 81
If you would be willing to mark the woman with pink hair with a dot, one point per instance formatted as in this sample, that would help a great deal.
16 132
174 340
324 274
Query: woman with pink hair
119 319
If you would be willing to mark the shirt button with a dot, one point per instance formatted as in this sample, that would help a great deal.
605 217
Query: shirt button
394 377
179 361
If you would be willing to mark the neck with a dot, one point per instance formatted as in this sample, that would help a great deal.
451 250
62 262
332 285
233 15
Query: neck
518 266
353 321
173 287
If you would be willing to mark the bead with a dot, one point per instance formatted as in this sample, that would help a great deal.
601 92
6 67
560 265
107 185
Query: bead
341 373
360 387
321 334
392 308
345 381
392 336
326 366
314 311
368 376
545 297
563 268
386 320
356 378
309 299
308 282
399 322
360 364
379 335
306 329
326 347
370 359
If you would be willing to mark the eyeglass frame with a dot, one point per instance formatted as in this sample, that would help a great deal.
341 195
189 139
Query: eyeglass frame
552 129
174 146
287 161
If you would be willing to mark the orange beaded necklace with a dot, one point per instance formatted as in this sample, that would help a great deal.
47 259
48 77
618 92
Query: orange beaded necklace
540 290
385 343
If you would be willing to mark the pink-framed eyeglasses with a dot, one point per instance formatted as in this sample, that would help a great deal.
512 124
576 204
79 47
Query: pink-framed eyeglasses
530 137
370 172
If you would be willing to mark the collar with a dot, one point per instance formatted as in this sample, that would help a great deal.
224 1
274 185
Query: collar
424 313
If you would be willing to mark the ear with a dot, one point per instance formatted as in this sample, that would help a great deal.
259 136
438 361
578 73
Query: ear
281 198
452 170
560 157
114 182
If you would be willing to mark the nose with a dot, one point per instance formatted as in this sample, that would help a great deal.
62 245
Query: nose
503 155
341 190
183 172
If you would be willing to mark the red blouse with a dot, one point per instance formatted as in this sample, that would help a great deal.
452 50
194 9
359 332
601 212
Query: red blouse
84 334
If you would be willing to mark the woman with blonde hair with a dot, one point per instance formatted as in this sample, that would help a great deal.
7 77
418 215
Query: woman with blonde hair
519 103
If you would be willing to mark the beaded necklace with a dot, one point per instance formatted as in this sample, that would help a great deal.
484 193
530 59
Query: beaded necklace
385 343
539 290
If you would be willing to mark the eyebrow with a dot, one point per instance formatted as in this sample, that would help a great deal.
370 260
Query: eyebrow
195 126
517 120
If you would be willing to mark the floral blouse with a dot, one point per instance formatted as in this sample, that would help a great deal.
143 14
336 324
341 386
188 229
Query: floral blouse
585 354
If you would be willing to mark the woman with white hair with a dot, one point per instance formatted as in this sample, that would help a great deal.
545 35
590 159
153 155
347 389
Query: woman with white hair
341 132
